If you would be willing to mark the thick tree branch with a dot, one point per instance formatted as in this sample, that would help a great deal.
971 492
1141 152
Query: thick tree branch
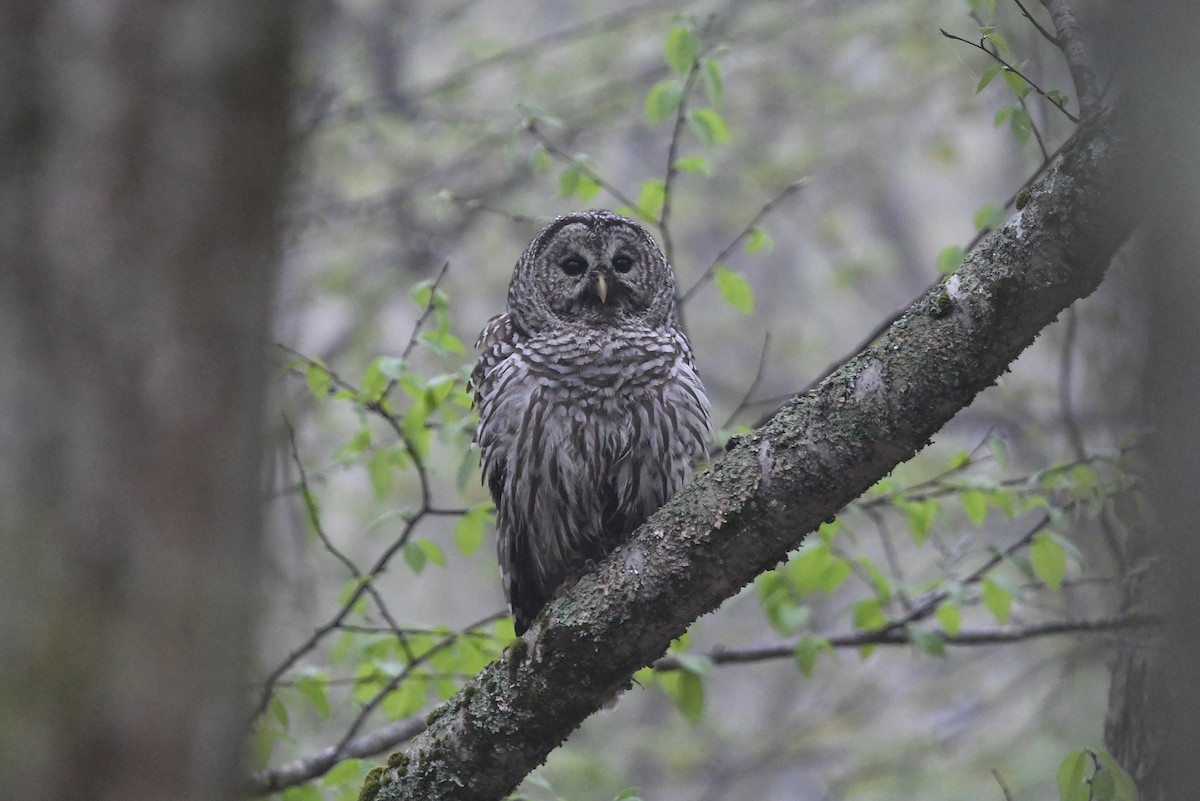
750 509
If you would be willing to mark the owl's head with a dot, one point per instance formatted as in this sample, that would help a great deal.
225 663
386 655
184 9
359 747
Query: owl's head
593 269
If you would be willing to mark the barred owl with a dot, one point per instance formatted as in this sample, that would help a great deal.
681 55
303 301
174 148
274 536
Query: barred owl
590 407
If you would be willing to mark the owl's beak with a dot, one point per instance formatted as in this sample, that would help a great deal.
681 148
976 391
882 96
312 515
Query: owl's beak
601 287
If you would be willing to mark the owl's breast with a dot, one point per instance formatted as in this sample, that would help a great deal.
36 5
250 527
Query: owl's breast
601 368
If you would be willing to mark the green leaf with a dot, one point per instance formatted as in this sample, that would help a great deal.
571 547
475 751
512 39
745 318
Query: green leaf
420 551
279 711
628 794
807 651
1072 784
996 38
734 289
708 126
868 615
1049 560
989 216
415 556
316 375
835 574
883 589
928 641
1104 785
1018 84
379 470
758 240
313 688
407 699
422 293
568 179
1123 787
468 532
950 618
357 444
443 343
682 48
374 382
975 507
662 101
988 74
687 691
714 86
695 663
920 516
348 770
651 199
694 164
536 112
539 159
1020 124
999 451
587 188
950 259
960 460
303 792
574 181
997 599
807 568
828 530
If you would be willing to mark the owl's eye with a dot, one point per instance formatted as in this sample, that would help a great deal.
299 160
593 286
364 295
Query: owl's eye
622 263
574 266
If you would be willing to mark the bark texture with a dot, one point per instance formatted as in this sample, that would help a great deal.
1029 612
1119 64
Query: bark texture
140 161
750 509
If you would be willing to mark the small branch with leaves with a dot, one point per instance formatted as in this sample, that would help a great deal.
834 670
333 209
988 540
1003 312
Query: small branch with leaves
1004 67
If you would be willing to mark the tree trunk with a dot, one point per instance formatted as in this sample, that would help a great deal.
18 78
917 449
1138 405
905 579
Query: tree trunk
1154 716
140 162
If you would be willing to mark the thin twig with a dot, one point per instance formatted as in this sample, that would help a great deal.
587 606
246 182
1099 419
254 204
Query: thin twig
473 204
1037 134
566 157
758 376
364 584
673 147
428 310
672 153
314 517
965 637
1008 796
1051 38
310 767
1074 435
399 678
766 209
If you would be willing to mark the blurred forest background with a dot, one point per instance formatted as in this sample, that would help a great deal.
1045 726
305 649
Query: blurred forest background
809 166
854 154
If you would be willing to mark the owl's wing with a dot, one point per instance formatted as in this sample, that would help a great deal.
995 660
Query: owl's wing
492 382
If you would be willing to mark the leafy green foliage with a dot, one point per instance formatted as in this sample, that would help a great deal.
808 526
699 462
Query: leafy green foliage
950 259
708 126
1087 775
734 289
681 49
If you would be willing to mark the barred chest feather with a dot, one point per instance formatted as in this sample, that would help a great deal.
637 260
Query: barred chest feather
583 435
